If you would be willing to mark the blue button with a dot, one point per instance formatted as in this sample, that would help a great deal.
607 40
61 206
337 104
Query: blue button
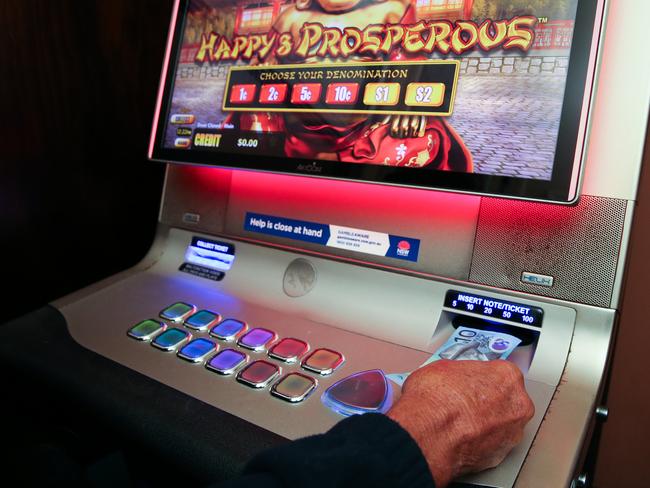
257 339
226 361
178 311
228 330
171 339
202 320
197 350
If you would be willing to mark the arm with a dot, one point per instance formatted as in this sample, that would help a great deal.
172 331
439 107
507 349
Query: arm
456 417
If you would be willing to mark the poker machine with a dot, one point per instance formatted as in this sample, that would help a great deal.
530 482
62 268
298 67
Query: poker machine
354 189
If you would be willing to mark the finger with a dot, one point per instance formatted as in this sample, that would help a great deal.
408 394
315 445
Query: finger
394 128
414 126
404 127
423 126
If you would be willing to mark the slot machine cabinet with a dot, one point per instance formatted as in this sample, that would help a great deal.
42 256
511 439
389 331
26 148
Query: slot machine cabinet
564 261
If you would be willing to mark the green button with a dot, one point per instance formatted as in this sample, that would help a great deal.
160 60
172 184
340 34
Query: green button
178 311
146 329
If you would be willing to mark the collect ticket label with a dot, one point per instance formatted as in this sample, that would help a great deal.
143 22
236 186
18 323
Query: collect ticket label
358 240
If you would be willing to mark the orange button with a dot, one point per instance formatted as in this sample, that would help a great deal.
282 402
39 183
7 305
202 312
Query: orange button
304 93
342 93
242 93
273 93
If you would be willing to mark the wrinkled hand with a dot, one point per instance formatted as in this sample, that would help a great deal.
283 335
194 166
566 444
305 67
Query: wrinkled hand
403 126
465 416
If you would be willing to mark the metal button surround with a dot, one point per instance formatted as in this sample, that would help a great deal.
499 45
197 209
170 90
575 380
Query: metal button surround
177 312
228 329
202 320
146 330
258 374
289 349
294 387
257 339
323 361
171 339
197 350
227 361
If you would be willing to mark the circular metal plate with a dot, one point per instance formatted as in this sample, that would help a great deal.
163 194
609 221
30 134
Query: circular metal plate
299 278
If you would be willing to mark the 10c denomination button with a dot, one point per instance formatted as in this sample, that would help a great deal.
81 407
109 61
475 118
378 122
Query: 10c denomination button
342 93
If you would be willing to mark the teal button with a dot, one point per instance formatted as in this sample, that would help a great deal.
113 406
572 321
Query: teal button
171 339
145 330
202 320
178 311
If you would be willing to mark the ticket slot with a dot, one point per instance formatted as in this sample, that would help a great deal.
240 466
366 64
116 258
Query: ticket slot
415 87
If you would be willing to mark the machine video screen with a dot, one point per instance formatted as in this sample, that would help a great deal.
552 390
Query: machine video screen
476 96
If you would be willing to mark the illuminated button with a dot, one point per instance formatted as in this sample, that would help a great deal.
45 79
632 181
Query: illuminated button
425 94
304 93
171 339
182 119
228 330
227 361
381 94
196 350
202 319
289 350
178 312
342 93
146 329
182 142
257 339
323 361
242 93
258 374
273 93
364 392
294 387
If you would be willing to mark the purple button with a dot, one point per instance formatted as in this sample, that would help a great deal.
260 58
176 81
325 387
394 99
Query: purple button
257 339
227 361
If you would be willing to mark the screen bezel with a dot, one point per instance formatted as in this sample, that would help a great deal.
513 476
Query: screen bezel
561 188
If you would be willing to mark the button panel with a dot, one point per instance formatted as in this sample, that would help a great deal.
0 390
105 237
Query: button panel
185 320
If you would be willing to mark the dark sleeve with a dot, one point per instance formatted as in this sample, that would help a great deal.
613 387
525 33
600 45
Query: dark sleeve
362 450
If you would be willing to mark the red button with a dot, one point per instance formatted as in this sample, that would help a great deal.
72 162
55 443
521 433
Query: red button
289 349
275 93
342 93
258 374
304 93
242 93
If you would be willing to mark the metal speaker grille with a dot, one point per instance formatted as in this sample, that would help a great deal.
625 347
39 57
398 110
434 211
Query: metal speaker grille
578 246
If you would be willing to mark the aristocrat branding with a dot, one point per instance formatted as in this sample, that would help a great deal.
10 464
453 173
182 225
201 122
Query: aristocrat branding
310 168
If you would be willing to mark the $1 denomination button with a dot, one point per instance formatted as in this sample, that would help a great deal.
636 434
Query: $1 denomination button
381 94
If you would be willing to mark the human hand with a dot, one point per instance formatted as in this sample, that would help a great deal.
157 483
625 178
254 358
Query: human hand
465 416
405 126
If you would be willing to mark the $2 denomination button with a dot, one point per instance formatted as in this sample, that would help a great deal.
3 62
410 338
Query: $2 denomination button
424 94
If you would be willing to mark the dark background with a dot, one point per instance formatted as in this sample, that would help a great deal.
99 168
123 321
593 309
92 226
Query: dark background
79 200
